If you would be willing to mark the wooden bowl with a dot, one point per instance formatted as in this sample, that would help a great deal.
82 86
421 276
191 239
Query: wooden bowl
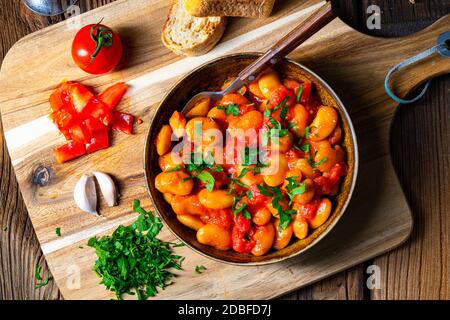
211 76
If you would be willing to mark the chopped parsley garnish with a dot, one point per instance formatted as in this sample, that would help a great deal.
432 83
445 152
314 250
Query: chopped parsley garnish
200 269
313 164
307 132
242 208
294 188
235 181
249 194
174 169
230 109
243 173
132 258
324 159
284 215
284 109
276 131
58 232
207 163
207 179
299 93
37 275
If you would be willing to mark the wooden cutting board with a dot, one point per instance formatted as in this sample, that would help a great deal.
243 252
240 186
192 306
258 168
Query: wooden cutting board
377 220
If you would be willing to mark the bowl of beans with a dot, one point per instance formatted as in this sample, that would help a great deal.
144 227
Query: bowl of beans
259 176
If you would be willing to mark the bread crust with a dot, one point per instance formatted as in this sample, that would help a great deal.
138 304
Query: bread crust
214 27
230 8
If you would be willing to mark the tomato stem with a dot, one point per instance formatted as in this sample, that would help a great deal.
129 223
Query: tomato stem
102 38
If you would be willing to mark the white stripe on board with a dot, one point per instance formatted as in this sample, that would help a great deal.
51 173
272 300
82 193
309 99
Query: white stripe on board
85 234
28 132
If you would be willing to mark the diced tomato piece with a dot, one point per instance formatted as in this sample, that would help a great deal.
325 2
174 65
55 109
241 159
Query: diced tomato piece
220 217
279 95
323 185
99 140
62 119
306 92
112 95
257 201
94 125
337 171
292 85
80 133
80 96
309 210
123 122
69 151
56 102
97 110
242 235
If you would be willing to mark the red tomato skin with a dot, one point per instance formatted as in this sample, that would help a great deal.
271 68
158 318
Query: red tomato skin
292 85
94 125
83 47
99 140
323 185
281 93
80 133
242 235
69 151
112 95
220 217
257 201
306 92
122 122
97 110
309 210
79 96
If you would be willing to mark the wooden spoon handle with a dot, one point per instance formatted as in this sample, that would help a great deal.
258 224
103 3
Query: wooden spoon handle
282 48
409 78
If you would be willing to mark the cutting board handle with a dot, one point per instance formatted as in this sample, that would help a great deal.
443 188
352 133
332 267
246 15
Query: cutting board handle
409 77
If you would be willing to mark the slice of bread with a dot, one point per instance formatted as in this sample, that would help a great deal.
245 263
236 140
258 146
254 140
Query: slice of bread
230 8
188 35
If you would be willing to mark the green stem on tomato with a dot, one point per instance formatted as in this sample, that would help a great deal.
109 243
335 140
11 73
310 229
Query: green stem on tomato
102 38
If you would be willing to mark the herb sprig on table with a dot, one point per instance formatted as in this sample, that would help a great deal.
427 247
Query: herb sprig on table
132 260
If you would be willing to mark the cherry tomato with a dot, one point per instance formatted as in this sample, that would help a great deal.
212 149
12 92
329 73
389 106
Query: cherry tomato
96 49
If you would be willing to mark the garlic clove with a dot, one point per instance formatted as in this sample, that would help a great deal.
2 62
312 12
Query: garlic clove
85 194
107 188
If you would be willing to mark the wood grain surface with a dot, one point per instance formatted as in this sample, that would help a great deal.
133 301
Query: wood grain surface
19 253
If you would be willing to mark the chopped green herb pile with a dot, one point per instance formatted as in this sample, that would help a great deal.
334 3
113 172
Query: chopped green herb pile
133 259
200 269
39 282
58 232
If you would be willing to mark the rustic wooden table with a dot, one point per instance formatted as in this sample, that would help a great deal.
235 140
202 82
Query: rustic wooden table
420 145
